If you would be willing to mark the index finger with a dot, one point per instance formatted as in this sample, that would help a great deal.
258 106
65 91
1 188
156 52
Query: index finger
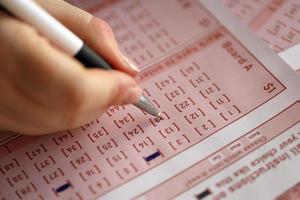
94 31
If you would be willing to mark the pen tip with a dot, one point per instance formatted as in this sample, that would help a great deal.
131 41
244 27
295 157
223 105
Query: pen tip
159 115
147 106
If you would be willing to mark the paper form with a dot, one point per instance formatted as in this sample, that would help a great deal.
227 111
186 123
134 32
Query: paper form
275 21
291 56
226 99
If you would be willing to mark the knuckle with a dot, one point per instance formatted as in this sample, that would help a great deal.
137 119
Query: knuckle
25 32
29 40
104 27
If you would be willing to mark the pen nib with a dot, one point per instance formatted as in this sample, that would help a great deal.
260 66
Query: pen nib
145 105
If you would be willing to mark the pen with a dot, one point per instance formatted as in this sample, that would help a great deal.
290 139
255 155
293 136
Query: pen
61 36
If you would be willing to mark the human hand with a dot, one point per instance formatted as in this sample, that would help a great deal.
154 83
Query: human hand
44 90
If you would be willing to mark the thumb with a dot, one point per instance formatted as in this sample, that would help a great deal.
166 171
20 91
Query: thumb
98 90
105 88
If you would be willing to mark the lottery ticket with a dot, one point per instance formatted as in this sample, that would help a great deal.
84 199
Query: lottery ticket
275 21
229 127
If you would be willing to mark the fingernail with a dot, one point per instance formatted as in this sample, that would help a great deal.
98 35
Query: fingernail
132 95
129 63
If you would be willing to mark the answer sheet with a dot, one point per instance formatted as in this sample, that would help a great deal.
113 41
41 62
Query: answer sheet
230 116
277 22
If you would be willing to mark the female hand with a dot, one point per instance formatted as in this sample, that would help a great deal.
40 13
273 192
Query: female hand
44 90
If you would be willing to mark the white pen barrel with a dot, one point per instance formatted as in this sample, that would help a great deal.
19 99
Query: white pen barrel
33 14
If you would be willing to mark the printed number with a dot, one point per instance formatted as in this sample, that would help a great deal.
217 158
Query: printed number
269 87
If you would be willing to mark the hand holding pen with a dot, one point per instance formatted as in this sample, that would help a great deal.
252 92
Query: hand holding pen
44 89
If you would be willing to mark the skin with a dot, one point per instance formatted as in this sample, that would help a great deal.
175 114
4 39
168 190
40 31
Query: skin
44 90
